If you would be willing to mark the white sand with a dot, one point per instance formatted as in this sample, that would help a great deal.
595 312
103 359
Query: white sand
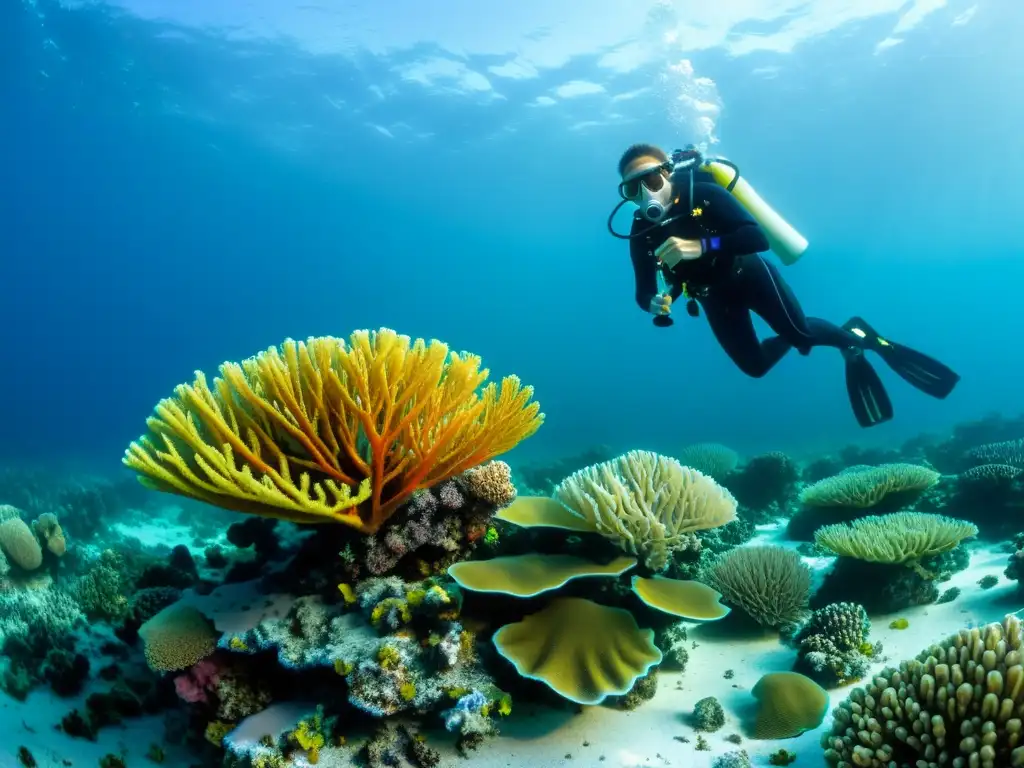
31 724
543 738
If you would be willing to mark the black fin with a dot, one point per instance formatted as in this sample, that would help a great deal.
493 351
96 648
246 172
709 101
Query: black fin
916 368
868 398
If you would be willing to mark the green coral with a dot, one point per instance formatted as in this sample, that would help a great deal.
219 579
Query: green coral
868 487
901 538
708 714
782 757
771 584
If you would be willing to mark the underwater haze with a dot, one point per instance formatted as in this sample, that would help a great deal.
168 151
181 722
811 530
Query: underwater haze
186 183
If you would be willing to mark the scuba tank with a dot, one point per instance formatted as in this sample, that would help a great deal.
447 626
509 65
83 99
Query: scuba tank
784 241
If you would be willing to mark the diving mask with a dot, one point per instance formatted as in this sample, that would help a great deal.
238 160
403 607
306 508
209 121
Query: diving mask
650 190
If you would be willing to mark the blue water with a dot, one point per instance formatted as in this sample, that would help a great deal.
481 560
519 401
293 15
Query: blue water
185 186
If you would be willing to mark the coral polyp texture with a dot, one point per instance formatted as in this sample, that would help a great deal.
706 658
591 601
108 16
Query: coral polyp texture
329 431
647 504
957 704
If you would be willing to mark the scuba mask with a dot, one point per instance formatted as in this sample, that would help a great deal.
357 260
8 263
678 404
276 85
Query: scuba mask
653 189
650 190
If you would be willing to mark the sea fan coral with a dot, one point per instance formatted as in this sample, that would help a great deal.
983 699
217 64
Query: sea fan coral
326 431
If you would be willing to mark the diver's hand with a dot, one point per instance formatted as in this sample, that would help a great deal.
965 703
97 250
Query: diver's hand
661 305
676 249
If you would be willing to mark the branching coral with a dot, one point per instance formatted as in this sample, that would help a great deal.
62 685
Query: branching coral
326 431
647 504
957 704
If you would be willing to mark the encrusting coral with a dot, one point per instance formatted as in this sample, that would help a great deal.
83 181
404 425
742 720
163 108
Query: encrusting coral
324 431
957 704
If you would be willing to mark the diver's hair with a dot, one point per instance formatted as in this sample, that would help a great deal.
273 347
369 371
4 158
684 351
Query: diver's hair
640 150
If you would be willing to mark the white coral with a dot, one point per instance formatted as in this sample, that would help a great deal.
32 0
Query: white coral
646 503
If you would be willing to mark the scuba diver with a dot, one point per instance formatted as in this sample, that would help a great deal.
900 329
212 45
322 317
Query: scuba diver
705 229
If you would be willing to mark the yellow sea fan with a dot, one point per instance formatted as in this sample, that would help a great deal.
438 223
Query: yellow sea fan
323 431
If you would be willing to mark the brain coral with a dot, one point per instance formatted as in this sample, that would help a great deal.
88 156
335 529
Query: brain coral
20 544
177 637
957 704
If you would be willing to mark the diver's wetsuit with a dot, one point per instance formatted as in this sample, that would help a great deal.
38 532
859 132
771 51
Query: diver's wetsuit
730 280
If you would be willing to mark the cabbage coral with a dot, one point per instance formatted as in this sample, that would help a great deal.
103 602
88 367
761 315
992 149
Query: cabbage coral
325 431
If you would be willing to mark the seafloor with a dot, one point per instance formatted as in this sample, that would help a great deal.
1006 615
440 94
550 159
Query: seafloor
87 688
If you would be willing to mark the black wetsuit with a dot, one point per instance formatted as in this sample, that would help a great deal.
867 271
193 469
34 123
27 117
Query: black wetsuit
730 280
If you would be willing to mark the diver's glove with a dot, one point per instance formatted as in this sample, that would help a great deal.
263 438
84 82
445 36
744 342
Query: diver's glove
660 305
676 249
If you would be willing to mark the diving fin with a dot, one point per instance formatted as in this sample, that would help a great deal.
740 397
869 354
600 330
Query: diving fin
870 402
916 368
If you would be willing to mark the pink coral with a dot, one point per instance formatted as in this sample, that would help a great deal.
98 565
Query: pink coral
195 685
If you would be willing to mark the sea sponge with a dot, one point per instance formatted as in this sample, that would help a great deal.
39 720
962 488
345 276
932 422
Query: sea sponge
788 704
897 538
957 704
582 650
686 599
868 486
531 574
20 545
771 584
647 504
712 459
177 637
47 529
491 482
325 431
